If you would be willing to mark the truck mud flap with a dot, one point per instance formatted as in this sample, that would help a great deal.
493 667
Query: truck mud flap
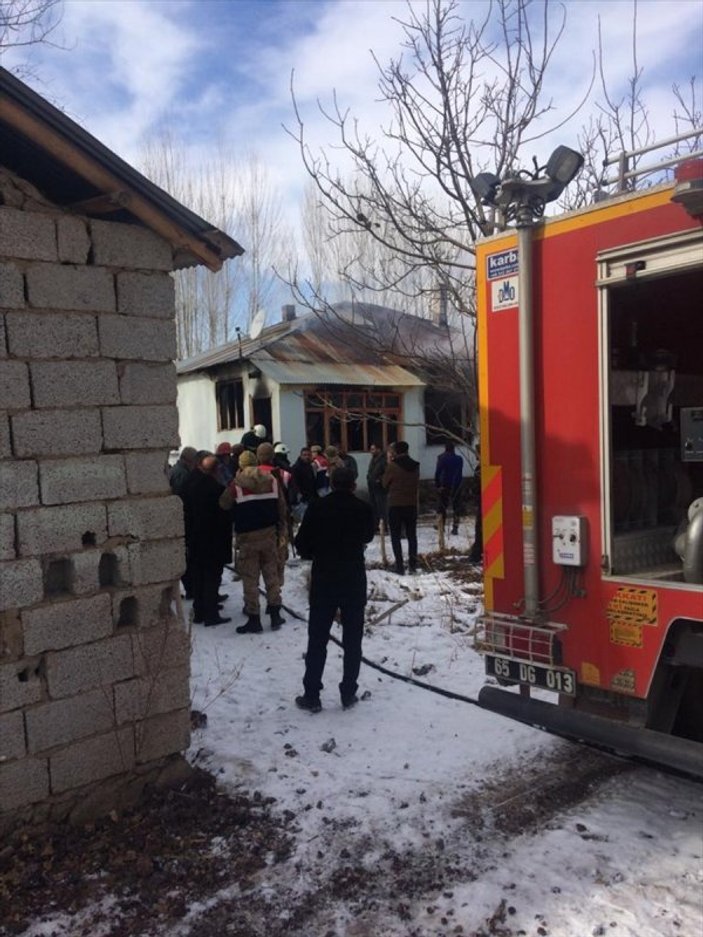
645 744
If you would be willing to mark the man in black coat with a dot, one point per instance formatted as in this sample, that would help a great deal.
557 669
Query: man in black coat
333 534
210 540
304 476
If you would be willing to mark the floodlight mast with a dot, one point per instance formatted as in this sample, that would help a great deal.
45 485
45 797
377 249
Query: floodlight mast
522 198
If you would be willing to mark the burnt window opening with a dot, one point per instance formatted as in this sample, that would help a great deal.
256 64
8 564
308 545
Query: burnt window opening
107 570
129 610
57 577
445 416
230 404
352 420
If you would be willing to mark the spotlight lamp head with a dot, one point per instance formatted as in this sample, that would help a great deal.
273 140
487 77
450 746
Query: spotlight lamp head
485 185
563 165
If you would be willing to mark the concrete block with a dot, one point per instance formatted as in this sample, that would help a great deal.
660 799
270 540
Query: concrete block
146 518
61 528
3 338
20 685
20 583
89 289
12 744
74 383
131 246
72 239
92 760
51 335
11 635
165 647
146 294
11 287
5 444
67 623
144 607
156 561
28 235
14 385
18 485
63 721
162 735
23 782
139 427
132 337
146 472
67 480
56 432
84 577
7 537
77 669
140 699
143 383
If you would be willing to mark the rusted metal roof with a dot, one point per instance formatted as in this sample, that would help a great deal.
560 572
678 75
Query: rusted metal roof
352 375
350 339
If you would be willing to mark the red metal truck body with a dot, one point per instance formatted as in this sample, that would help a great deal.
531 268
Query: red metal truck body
608 282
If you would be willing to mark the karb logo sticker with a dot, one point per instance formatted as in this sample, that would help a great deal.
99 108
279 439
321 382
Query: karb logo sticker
502 264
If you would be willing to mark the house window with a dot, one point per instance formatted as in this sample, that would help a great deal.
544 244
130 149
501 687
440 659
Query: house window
230 404
352 420
444 416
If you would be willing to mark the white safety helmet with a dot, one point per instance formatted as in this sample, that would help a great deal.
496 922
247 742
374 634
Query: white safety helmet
280 448
260 431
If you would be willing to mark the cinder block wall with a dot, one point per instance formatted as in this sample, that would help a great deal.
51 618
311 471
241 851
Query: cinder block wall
94 661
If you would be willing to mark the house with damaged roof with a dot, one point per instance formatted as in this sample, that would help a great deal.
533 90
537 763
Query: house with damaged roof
350 375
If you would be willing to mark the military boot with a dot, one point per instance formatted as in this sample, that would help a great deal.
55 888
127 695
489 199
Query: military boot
252 626
276 620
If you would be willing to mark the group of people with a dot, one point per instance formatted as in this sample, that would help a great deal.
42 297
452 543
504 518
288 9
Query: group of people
253 491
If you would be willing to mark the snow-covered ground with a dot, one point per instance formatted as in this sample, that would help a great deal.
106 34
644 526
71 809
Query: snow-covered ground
411 783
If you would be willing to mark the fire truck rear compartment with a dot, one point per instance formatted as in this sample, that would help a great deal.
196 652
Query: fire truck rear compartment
656 382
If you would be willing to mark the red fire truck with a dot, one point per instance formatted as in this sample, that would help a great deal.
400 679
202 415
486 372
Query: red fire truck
593 546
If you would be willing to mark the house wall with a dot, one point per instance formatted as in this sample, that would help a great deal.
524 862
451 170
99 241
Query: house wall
197 413
94 660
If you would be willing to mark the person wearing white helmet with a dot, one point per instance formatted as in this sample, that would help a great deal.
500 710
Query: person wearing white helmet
254 437
280 456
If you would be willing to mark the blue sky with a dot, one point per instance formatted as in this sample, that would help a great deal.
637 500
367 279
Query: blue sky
221 68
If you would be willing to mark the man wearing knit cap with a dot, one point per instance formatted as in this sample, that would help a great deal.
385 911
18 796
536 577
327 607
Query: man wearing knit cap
258 519
225 465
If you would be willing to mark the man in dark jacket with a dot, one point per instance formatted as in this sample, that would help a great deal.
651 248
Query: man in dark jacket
179 478
333 534
447 478
377 493
304 476
210 540
401 480
254 437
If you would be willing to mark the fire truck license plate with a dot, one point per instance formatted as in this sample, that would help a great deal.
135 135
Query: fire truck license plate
549 678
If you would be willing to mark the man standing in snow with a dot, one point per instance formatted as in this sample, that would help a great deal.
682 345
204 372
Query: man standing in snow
258 520
333 534
401 480
447 478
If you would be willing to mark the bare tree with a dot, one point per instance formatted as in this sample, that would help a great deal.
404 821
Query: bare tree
463 97
237 198
27 22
